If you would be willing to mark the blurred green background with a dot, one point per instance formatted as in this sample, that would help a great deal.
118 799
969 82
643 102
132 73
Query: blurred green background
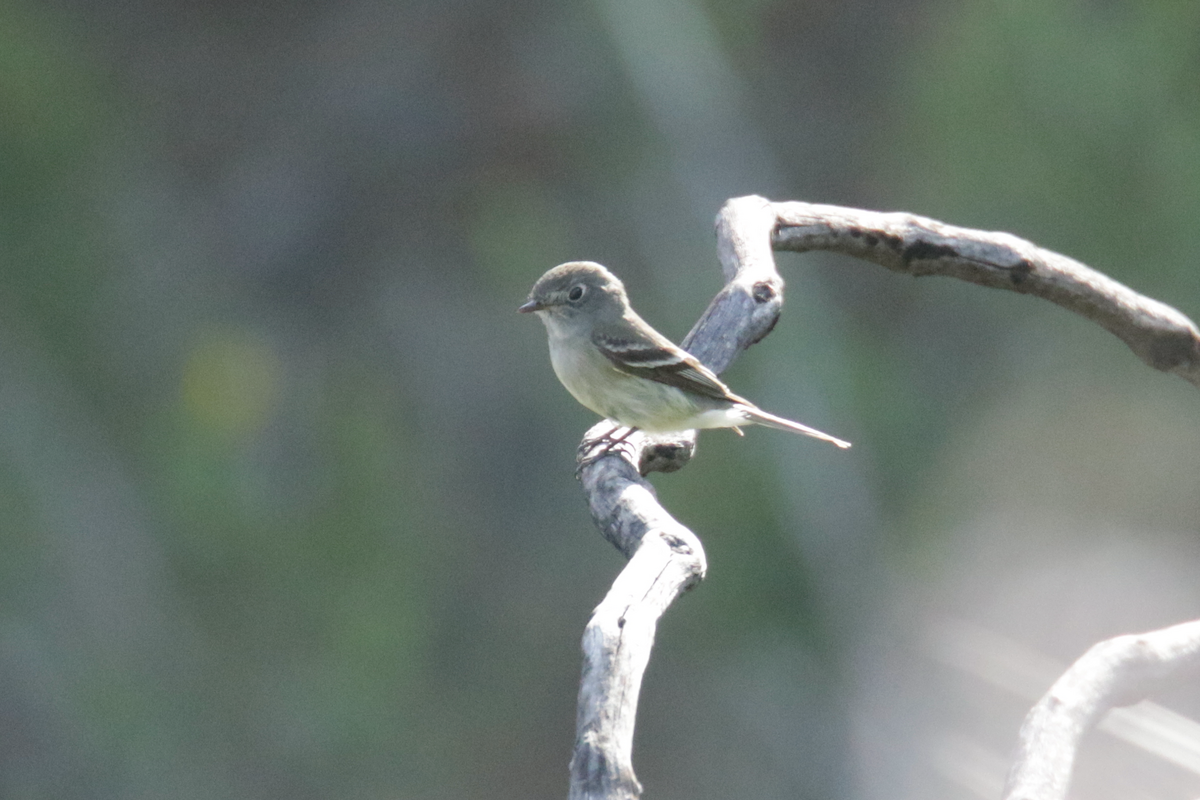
287 506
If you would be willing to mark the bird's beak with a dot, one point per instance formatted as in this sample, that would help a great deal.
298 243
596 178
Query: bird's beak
532 305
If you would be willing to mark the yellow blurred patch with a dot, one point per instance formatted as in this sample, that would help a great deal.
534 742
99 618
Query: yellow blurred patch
230 382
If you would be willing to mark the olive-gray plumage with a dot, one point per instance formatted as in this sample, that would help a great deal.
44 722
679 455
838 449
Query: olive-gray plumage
614 363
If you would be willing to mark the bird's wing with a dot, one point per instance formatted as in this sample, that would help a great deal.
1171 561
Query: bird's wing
659 360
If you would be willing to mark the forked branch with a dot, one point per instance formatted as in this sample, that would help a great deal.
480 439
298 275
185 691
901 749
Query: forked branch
666 558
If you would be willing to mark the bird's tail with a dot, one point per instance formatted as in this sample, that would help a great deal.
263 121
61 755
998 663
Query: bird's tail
760 417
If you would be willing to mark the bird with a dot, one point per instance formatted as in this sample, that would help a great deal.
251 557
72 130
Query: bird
618 366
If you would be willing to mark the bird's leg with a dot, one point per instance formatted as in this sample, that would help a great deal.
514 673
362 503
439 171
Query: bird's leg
606 443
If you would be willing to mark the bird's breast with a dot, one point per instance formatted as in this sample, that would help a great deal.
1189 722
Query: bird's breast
582 370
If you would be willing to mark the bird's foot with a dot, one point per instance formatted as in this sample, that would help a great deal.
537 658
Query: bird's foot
592 450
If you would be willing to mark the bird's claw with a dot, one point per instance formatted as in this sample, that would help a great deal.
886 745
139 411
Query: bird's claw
592 450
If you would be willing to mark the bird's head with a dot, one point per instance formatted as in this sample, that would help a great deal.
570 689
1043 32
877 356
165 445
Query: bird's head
575 289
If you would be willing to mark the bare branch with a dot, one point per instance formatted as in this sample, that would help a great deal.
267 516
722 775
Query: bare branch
1160 335
1115 672
748 307
665 559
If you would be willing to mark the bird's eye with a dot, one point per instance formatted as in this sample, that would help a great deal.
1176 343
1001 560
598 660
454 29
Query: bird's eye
575 294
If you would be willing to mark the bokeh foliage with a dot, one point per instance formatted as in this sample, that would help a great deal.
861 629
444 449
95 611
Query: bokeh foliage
286 494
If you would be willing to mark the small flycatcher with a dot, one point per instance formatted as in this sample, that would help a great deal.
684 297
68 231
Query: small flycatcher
621 368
